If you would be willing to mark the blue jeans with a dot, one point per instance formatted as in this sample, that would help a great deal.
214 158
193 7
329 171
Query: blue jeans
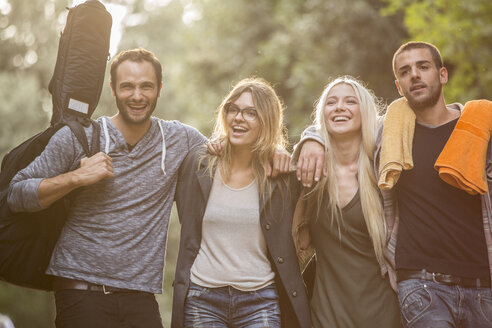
229 307
430 304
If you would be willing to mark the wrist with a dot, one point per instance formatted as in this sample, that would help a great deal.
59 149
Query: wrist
75 179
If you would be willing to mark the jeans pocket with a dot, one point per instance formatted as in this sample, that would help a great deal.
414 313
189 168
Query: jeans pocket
413 301
196 291
486 306
72 307
69 299
268 293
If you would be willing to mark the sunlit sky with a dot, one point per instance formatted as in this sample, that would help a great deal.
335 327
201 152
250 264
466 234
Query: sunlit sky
118 12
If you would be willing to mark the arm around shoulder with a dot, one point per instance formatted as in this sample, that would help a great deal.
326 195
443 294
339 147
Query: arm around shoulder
309 154
311 133
195 138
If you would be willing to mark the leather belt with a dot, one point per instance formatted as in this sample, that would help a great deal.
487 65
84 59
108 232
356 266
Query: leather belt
65 283
442 278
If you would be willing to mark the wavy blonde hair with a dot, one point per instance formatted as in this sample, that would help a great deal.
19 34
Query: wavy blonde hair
271 134
372 207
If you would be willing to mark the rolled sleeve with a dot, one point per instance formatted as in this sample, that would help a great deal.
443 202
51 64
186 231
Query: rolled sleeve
23 195
62 154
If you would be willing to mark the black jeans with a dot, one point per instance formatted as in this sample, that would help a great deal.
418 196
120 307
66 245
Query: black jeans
80 308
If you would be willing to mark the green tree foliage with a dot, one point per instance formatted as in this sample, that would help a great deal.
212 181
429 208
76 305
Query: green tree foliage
23 114
297 45
205 46
462 30
28 38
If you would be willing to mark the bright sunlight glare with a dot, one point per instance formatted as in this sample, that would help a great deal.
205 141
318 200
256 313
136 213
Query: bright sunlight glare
118 12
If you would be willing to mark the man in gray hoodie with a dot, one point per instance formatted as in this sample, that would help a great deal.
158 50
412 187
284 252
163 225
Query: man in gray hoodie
109 259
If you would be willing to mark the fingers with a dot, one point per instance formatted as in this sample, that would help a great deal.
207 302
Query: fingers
277 163
285 164
210 148
95 168
319 168
300 163
311 161
281 161
308 169
215 146
305 168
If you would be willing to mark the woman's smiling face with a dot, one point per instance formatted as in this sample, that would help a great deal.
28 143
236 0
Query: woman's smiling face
342 111
242 121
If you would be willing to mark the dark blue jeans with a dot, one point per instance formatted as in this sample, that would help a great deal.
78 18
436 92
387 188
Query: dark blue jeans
426 304
81 308
232 308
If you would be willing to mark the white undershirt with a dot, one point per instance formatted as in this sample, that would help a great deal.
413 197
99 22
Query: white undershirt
233 250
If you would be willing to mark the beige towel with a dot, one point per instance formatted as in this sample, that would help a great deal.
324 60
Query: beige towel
396 143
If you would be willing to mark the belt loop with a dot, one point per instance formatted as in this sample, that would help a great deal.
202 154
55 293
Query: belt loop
105 292
478 283
434 278
423 274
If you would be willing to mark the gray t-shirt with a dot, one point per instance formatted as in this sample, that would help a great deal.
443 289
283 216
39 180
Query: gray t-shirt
116 231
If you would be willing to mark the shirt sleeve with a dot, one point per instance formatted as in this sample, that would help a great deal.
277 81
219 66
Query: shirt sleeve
195 138
62 154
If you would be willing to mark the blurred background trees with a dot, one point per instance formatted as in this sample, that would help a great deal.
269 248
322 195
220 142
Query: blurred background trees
462 30
205 46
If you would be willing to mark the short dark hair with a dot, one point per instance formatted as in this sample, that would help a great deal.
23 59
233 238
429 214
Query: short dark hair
436 55
136 55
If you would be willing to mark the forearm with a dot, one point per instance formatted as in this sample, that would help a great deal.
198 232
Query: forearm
52 189
32 195
45 179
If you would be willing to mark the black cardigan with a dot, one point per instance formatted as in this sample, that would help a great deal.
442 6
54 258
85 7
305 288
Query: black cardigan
276 211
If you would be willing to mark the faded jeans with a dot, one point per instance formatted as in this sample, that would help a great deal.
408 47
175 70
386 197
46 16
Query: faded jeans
434 305
232 308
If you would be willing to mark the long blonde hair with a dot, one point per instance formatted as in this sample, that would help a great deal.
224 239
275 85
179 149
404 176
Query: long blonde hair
372 208
271 135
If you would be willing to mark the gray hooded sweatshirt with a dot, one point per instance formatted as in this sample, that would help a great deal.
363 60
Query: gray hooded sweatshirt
116 231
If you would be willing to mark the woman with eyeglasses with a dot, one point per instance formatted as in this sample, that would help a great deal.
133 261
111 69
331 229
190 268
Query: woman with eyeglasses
237 265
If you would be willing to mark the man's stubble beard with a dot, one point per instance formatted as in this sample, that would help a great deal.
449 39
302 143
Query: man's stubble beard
122 109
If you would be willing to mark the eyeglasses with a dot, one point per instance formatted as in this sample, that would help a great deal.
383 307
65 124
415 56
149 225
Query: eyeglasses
249 114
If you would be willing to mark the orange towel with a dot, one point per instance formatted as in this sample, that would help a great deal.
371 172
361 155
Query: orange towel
462 160
396 143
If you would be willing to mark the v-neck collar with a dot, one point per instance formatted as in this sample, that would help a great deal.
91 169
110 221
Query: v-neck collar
121 139
352 202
